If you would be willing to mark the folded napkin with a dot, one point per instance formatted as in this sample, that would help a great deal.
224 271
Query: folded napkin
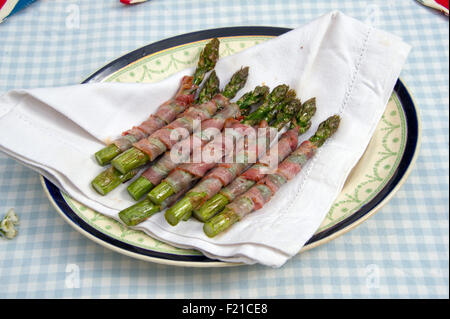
348 66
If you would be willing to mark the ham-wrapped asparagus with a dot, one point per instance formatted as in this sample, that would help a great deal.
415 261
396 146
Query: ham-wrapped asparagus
180 179
183 174
141 211
167 112
110 178
287 143
160 141
148 149
225 173
159 170
259 194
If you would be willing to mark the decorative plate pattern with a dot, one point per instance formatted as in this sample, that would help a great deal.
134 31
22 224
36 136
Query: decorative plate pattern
374 171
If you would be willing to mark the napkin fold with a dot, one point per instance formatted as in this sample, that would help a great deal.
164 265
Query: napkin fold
351 69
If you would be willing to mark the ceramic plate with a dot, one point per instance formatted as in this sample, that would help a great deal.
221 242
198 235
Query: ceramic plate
378 175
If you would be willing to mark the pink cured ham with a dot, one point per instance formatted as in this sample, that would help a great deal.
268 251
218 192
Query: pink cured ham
204 112
183 98
256 172
179 180
292 165
207 188
259 171
168 110
152 124
241 206
222 147
126 142
226 173
222 174
236 188
196 169
286 145
273 182
228 111
246 180
163 166
213 123
172 199
164 135
186 125
259 194
157 172
151 147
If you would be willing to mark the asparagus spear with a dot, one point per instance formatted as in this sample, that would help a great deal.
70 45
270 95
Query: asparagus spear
169 186
155 173
206 62
109 179
146 205
276 96
252 98
262 192
300 125
144 209
135 157
158 142
209 89
224 174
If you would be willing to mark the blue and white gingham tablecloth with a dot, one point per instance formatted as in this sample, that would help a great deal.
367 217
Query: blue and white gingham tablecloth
401 252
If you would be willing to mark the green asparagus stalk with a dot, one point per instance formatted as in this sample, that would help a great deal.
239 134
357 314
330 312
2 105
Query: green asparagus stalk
164 189
110 179
106 154
301 123
276 96
196 197
303 119
236 83
142 185
210 89
254 98
139 212
134 158
206 62
144 209
281 107
283 118
230 215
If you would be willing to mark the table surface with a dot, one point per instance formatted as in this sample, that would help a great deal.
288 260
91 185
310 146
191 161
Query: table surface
401 252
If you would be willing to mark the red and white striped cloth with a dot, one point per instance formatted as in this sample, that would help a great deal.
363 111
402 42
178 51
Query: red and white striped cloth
9 7
132 1
441 5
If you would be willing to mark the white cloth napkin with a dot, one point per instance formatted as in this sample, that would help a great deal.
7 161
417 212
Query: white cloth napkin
348 66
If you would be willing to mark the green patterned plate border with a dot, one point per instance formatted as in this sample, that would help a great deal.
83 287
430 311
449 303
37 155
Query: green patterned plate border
379 173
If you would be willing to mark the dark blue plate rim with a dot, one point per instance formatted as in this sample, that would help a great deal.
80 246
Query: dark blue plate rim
411 148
